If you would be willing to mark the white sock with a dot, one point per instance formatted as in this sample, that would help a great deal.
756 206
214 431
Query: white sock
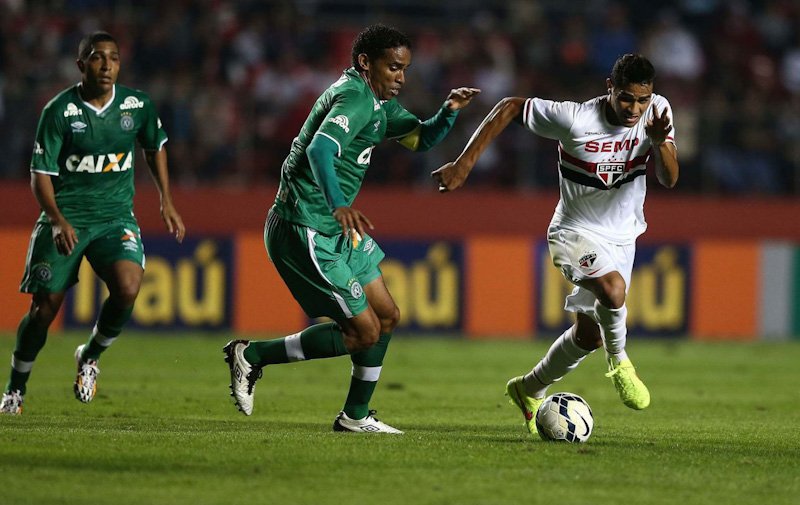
562 357
21 366
101 339
613 329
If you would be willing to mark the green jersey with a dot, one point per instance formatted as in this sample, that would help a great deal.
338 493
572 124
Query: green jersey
90 152
349 114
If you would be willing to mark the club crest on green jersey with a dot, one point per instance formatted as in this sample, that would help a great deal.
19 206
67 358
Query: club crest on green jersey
126 122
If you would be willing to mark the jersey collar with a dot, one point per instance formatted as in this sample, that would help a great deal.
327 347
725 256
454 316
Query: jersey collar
107 104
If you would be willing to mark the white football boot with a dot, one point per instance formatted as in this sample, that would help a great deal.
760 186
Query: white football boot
367 425
11 403
243 375
86 381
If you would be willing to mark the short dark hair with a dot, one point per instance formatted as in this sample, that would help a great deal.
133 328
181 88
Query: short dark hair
375 39
88 42
632 68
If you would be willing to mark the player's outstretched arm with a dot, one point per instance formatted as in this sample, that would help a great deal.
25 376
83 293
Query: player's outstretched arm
453 175
664 153
460 97
64 235
432 131
157 161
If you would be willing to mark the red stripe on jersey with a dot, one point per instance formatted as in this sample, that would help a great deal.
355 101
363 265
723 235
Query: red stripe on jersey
592 167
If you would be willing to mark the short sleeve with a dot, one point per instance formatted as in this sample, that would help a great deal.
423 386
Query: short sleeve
151 135
549 119
49 141
348 115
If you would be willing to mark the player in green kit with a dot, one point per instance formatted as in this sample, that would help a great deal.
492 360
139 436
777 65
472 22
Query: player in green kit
319 243
82 178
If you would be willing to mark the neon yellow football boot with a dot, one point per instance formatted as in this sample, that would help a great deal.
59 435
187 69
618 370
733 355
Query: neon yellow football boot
631 389
515 390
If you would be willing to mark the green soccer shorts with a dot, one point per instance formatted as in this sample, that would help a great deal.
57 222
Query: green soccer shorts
103 244
325 274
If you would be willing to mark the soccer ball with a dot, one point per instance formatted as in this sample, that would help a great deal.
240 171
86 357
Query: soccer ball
564 416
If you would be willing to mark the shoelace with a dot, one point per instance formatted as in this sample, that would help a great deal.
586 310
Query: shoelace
614 371
89 369
14 400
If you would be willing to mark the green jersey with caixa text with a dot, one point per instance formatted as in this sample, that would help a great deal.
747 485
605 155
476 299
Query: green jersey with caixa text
349 114
89 152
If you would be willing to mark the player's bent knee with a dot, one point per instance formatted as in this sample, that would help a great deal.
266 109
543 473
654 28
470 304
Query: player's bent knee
362 341
364 332
42 315
611 292
614 297
390 322
125 295
44 309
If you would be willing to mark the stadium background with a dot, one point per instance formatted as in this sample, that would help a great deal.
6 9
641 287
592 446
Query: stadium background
234 81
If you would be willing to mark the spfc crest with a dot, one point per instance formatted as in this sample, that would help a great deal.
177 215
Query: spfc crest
610 173
588 259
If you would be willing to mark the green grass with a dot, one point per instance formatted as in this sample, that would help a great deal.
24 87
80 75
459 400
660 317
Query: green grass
722 428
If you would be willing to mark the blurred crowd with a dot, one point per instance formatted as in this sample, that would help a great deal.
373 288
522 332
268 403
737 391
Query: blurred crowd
234 80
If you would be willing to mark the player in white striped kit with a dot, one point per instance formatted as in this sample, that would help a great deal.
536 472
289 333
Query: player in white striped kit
604 145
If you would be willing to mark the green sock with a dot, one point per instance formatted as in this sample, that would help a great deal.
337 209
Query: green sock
109 325
30 340
366 371
319 341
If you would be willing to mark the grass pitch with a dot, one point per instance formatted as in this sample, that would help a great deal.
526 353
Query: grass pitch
722 428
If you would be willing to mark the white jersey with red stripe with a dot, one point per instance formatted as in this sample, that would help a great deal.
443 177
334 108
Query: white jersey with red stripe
600 165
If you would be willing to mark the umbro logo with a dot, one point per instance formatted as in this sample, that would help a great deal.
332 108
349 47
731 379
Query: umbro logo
238 373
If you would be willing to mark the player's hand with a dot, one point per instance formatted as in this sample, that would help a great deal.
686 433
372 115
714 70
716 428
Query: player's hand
64 237
450 176
353 222
173 221
460 97
658 127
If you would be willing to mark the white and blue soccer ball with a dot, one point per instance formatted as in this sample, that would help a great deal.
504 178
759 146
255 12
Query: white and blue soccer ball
564 417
